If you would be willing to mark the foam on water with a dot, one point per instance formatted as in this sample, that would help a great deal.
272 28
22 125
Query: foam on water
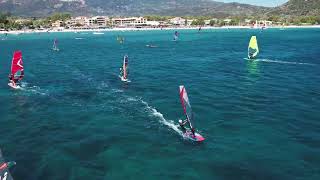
154 112
33 89
277 61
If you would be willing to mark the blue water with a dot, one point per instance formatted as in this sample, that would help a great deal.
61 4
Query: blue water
74 119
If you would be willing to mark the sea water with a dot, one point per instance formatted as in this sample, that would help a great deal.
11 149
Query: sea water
74 118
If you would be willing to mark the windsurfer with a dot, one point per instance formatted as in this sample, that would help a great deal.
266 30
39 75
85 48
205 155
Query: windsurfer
182 124
250 55
121 71
12 80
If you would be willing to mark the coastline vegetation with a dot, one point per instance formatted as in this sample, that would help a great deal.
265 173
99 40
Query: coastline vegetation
10 22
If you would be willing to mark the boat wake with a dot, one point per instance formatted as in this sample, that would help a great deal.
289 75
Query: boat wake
280 62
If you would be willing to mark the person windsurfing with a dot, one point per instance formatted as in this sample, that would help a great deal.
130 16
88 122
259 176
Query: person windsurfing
253 48
16 66
187 110
4 168
124 69
121 71
176 36
55 45
182 124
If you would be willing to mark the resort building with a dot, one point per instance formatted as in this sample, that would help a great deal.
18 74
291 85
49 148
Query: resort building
58 24
77 21
100 21
178 21
129 22
189 22
153 23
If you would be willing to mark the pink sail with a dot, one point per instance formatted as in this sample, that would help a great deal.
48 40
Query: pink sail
17 63
186 105
125 67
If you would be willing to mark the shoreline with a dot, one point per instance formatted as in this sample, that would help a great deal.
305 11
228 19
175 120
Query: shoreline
148 29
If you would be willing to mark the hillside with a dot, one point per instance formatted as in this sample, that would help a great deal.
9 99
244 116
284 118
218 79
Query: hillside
298 8
127 7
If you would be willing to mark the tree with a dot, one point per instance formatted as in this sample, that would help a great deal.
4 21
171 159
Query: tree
198 22
59 16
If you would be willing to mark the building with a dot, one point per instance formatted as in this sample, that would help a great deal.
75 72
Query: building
77 21
153 23
101 21
129 22
227 21
189 22
178 21
58 24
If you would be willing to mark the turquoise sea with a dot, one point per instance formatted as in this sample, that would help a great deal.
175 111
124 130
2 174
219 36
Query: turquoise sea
74 119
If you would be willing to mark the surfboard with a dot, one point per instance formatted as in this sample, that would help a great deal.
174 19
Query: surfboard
14 87
196 137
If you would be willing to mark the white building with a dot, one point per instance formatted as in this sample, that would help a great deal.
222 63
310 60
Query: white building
189 22
178 21
132 21
153 23
100 21
57 24
77 21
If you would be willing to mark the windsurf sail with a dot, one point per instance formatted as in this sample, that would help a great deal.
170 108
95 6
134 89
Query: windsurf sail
120 39
4 168
253 49
17 66
176 36
125 67
186 106
55 45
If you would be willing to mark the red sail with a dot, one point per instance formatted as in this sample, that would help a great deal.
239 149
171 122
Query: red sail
17 63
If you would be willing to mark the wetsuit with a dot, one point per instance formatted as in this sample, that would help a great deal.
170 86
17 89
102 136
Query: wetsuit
12 79
121 72
182 126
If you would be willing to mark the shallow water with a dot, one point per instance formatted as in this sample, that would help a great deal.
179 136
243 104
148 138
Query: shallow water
74 118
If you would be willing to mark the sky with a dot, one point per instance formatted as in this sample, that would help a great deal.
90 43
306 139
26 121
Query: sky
268 3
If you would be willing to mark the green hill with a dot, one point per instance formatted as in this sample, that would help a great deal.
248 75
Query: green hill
298 8
127 7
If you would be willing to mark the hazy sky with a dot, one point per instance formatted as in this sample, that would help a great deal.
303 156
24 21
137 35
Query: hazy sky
269 3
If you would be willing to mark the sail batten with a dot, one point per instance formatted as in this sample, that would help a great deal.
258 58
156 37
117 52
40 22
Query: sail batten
253 49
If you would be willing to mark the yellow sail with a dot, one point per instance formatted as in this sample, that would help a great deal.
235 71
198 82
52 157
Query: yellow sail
253 48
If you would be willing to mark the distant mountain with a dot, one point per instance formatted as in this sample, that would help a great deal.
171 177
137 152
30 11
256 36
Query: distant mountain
298 8
128 7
